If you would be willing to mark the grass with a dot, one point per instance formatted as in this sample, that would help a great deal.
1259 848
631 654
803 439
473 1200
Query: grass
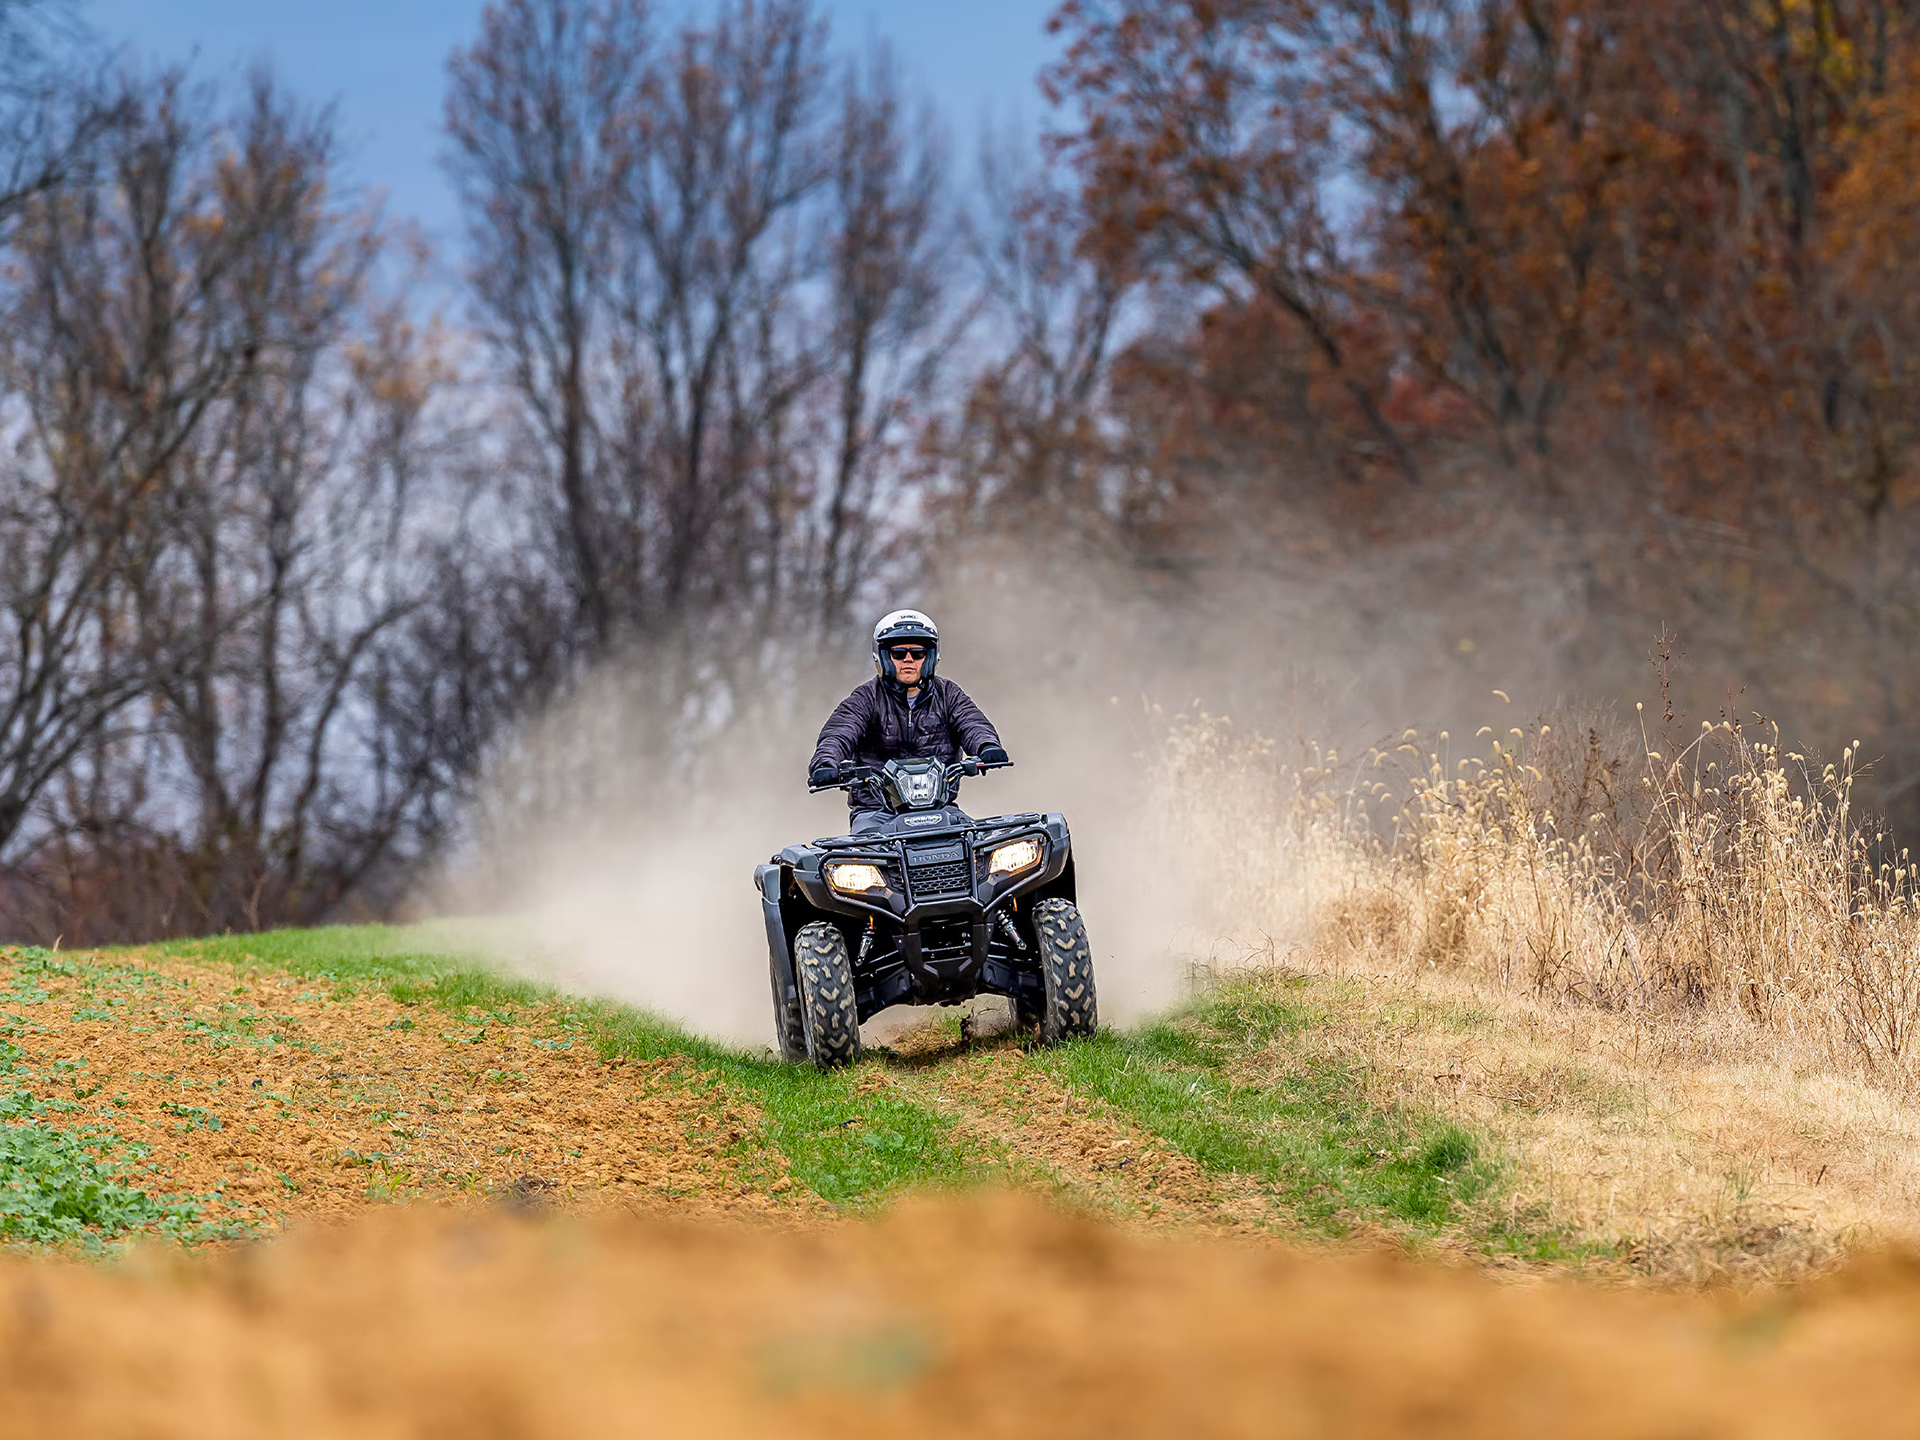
1201 1080
1232 1082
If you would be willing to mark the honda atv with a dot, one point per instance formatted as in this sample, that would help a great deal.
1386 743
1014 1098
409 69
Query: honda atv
925 906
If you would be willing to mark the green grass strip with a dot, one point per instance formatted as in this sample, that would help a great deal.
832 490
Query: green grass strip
1205 1081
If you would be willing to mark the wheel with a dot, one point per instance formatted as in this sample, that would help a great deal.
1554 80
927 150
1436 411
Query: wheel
1026 1016
829 1016
1071 1011
789 1028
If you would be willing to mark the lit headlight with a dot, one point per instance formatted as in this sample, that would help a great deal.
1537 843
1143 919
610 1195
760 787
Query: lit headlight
1012 859
854 879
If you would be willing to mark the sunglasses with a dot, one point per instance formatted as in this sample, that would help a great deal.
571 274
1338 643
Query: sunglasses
908 652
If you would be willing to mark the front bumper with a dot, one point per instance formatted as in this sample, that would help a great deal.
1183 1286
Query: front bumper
899 901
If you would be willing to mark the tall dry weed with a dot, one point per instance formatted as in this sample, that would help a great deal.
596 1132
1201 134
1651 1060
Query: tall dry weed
1564 860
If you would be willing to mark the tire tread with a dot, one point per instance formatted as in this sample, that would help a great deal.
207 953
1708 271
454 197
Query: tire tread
1072 1010
830 1013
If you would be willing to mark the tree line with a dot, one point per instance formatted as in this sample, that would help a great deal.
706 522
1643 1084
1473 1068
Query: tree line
288 548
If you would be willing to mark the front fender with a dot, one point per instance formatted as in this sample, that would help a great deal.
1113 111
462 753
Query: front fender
769 880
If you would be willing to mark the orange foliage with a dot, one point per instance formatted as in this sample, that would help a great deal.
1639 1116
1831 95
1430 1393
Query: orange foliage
1579 220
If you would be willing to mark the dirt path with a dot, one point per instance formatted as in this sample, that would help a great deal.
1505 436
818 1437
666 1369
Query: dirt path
277 1098
1062 1139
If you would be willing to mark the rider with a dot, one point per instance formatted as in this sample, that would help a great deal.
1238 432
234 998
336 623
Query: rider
902 713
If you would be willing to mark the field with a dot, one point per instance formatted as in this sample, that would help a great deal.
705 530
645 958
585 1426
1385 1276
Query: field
256 1081
504 1211
1450 1136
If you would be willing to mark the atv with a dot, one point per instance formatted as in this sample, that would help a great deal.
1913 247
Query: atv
923 906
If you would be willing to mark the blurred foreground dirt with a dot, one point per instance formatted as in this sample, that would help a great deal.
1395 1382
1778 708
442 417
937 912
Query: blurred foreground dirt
991 1315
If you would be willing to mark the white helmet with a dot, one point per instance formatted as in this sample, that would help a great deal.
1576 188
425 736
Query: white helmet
897 629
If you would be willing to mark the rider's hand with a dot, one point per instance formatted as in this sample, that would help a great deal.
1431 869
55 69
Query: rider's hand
824 774
993 755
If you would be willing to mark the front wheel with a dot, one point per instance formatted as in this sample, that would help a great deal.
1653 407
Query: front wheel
829 1014
1070 1010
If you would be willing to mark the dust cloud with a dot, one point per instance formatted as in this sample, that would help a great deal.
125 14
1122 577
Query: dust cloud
619 852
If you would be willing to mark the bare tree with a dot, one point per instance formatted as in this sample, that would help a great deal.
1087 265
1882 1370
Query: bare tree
713 283
111 356
1028 444
217 456
533 111
49 109
889 248
284 527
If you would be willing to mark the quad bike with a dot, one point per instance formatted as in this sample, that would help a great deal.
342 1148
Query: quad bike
925 907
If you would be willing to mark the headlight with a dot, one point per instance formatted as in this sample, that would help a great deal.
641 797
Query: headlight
854 879
1012 859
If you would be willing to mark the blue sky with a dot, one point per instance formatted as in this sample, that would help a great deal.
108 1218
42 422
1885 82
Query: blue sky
384 63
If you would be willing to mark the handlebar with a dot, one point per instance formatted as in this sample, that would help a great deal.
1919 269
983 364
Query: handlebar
851 774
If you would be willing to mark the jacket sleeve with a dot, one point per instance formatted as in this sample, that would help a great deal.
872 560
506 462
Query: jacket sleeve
970 723
840 736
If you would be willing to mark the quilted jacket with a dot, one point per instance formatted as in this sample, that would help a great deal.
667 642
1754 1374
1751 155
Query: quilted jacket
875 724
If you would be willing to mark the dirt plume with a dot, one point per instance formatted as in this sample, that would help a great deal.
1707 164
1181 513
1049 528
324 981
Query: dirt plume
991 1316
614 850
616 838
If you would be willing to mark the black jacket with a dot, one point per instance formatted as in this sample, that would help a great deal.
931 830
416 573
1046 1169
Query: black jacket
874 725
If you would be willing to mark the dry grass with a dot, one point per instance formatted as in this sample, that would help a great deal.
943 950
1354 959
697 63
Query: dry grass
1677 980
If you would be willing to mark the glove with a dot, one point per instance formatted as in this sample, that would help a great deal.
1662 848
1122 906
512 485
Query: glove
993 755
824 774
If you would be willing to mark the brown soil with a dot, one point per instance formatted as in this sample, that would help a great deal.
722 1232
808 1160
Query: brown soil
281 1098
1085 1150
993 1316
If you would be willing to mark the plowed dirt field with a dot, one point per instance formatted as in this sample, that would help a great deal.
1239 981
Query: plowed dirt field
265 1098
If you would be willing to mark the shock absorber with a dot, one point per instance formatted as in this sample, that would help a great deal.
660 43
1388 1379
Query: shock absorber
1008 929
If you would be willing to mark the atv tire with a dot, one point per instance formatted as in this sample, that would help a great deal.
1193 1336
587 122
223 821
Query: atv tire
1071 1011
789 1025
829 1015
1026 1017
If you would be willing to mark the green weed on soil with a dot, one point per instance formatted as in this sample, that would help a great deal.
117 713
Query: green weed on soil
851 1149
67 1185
